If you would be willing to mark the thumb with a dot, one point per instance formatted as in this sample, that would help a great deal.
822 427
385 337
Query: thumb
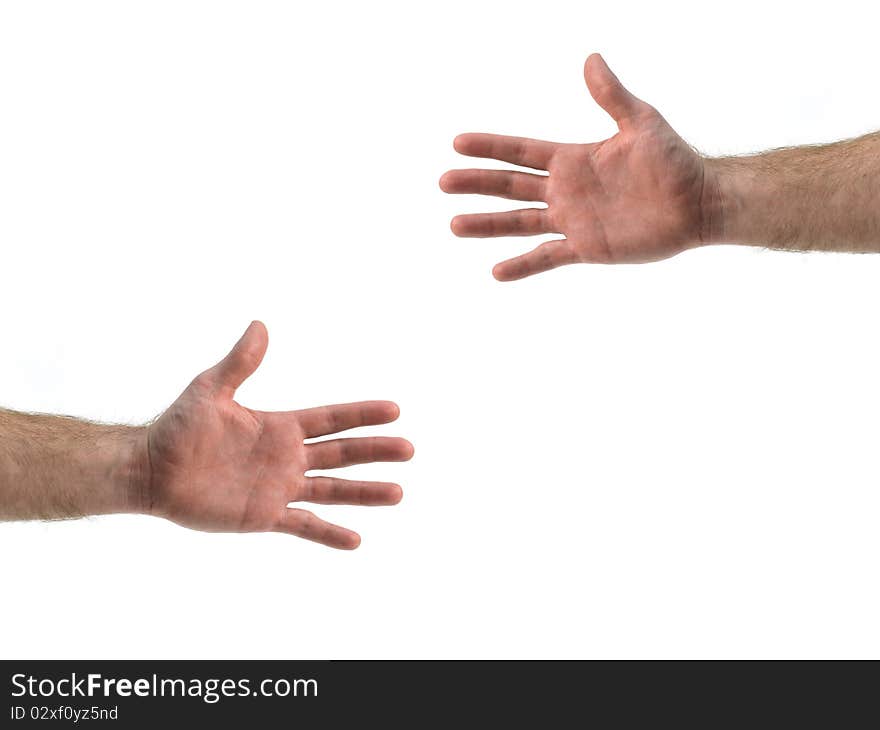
609 93
243 359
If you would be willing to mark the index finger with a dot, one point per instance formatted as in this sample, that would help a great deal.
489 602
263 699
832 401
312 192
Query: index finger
534 153
333 419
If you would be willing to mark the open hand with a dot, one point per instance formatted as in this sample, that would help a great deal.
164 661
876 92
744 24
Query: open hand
633 198
215 465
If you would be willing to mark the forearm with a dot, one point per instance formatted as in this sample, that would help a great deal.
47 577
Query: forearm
55 467
823 197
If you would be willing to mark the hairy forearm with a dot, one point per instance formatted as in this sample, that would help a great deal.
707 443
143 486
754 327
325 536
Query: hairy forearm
821 197
55 467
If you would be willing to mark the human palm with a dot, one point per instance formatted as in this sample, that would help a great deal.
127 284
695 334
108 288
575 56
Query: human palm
215 465
633 198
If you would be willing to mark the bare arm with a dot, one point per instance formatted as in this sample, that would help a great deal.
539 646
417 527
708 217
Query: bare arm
644 194
54 467
207 462
818 197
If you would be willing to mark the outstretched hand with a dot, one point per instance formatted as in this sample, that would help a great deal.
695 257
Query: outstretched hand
633 198
215 465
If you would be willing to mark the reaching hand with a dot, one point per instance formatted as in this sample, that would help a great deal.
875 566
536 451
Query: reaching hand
215 465
634 198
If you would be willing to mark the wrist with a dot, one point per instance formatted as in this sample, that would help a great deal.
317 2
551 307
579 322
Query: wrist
716 201
739 201
132 477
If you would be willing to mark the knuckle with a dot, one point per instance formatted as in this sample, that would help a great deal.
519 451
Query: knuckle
307 523
337 492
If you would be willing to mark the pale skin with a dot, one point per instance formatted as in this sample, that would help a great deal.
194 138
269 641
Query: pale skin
644 194
206 463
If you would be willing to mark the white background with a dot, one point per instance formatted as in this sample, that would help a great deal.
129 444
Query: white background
671 460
